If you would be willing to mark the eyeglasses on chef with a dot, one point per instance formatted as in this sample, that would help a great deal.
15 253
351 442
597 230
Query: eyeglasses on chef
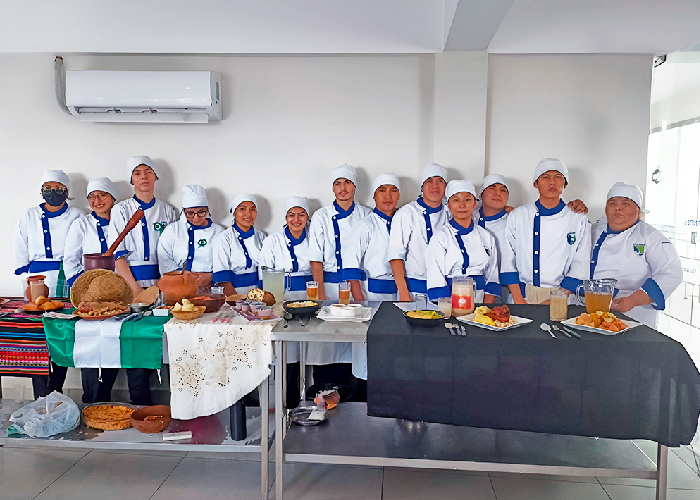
98 195
199 213
58 189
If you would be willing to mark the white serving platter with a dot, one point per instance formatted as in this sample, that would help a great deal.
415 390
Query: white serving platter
469 319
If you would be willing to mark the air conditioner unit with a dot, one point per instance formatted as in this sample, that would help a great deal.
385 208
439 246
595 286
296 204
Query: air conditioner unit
144 96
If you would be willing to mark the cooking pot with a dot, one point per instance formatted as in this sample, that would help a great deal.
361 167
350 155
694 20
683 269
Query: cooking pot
106 260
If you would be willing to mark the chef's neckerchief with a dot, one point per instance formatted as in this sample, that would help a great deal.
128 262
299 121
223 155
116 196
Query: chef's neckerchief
341 214
291 243
540 211
191 228
599 244
462 231
384 217
45 216
144 226
242 236
101 222
426 215
483 219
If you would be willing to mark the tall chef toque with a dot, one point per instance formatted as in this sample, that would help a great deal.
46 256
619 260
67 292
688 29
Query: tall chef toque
194 195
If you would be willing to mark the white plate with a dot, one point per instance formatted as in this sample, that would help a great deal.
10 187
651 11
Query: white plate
469 319
363 314
571 322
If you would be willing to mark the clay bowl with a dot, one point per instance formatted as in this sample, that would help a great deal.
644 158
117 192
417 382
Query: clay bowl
212 301
177 286
151 426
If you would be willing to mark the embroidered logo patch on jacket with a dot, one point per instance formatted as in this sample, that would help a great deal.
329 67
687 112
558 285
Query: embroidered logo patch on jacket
159 226
638 248
202 242
571 238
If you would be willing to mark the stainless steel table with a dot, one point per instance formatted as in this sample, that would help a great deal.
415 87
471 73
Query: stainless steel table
350 437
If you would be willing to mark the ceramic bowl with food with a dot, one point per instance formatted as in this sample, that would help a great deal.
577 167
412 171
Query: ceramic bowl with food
151 419
302 307
212 301
195 313
264 312
424 318
139 307
344 311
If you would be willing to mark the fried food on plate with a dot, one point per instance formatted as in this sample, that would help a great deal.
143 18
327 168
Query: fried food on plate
602 320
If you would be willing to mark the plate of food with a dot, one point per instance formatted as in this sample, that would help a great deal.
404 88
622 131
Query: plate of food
604 323
497 319
424 318
108 416
355 314
302 307
42 305
95 311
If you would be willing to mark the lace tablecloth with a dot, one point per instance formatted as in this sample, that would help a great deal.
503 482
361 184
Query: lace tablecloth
213 365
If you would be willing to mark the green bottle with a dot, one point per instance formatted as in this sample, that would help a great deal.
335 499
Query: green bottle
60 282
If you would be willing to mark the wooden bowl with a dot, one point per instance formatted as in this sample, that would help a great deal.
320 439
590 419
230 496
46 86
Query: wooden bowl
151 426
188 315
212 301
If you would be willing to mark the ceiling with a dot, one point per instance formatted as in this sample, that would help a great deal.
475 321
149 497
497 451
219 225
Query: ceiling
348 27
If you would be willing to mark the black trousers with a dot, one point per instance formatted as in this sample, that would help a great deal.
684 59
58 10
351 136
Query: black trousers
44 385
95 391
139 385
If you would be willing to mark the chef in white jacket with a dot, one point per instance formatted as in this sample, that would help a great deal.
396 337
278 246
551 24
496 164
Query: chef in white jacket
137 256
641 259
237 250
413 227
551 243
462 248
288 249
39 242
365 255
328 232
189 240
40 234
88 234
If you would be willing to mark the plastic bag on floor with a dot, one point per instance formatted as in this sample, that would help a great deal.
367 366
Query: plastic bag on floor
46 417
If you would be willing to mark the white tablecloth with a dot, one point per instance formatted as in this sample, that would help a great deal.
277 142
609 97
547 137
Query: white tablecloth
213 365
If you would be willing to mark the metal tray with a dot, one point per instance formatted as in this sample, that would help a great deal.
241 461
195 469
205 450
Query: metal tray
300 415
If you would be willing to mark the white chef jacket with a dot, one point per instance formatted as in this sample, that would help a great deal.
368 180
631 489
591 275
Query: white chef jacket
551 246
281 250
365 257
409 238
39 241
455 251
182 241
326 241
497 225
237 255
638 257
87 234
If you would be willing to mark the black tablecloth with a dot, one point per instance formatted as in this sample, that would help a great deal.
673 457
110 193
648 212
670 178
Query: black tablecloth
639 385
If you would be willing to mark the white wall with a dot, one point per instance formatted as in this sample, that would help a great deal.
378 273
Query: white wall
287 122
592 111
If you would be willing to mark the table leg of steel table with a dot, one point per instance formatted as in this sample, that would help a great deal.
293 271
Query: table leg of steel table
661 471
302 371
279 422
264 435
284 372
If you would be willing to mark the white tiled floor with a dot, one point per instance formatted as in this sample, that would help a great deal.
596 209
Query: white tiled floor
41 474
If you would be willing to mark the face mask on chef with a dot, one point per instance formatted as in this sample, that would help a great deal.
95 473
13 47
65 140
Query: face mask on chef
55 197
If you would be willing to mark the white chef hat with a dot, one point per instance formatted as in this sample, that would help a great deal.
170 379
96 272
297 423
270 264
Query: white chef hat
492 179
630 191
102 184
194 195
296 201
460 186
386 179
135 161
548 164
344 172
241 198
55 176
432 170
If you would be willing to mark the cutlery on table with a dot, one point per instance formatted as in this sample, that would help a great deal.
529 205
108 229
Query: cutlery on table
571 332
561 330
545 327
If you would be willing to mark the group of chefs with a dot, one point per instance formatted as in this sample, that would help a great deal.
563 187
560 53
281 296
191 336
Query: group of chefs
452 229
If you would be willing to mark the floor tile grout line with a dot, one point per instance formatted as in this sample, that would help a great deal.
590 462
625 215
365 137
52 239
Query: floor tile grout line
695 469
493 488
64 473
166 478
601 485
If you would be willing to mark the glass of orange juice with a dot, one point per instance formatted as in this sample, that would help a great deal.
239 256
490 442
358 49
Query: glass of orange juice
344 292
312 290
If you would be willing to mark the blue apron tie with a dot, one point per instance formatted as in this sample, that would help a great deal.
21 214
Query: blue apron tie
483 219
462 231
384 217
540 210
144 227
426 215
101 222
45 216
336 230
291 243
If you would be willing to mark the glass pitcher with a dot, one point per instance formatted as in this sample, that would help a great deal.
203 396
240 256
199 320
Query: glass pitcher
598 294
462 295
273 282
